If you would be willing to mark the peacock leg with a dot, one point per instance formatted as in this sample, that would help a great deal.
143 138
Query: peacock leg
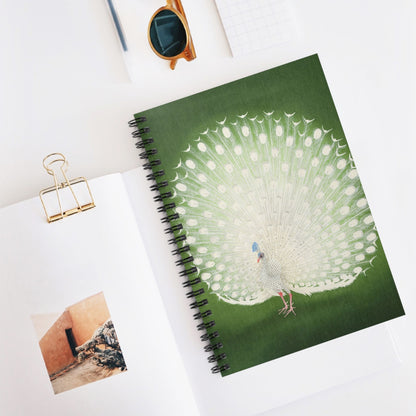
284 309
291 307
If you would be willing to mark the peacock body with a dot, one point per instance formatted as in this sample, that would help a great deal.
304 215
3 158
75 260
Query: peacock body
283 187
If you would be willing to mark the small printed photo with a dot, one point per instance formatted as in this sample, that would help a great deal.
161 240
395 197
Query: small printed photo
79 345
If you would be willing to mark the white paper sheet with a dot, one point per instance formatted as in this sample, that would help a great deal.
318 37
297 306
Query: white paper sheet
253 25
47 267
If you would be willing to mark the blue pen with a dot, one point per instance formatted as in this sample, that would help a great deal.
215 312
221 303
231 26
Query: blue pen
117 24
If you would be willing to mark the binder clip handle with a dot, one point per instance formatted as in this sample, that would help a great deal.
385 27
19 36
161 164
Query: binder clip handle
52 163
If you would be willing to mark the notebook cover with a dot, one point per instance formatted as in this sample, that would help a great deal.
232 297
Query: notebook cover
278 227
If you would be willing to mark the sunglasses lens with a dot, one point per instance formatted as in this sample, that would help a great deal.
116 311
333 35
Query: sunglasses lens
167 34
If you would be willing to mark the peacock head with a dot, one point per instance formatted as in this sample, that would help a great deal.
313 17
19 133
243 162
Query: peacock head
256 249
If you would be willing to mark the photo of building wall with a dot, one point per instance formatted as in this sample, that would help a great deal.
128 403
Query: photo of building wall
80 344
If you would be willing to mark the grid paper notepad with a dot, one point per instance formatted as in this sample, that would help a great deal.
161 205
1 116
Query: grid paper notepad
252 25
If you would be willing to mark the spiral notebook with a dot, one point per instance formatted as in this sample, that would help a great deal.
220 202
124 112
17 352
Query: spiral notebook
265 211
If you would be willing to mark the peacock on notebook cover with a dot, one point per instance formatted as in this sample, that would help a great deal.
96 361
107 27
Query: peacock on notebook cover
275 236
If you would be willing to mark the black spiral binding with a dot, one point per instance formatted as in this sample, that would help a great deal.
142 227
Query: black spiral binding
186 260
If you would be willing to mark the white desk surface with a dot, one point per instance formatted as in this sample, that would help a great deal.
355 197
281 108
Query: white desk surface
64 88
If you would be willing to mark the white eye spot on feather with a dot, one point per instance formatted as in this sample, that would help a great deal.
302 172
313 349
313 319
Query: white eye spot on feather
344 210
353 223
205 276
334 185
229 168
317 134
190 163
219 149
335 228
201 177
352 174
368 220
341 164
202 147
358 234
329 170
326 149
181 187
350 190
226 132
361 203
211 165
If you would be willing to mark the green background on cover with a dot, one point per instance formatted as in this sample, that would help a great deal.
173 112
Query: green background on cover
255 334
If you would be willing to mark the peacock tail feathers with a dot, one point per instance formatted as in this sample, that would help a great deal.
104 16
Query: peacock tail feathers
284 182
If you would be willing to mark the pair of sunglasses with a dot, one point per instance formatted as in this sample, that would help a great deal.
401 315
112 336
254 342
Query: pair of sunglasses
169 34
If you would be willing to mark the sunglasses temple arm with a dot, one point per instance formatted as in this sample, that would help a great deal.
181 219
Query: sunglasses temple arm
173 63
178 5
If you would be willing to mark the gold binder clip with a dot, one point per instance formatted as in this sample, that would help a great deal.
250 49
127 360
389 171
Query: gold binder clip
56 159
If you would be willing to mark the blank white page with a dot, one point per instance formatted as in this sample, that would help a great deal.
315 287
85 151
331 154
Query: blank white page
252 25
45 268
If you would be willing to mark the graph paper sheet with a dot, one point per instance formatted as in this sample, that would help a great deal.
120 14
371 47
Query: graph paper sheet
252 25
